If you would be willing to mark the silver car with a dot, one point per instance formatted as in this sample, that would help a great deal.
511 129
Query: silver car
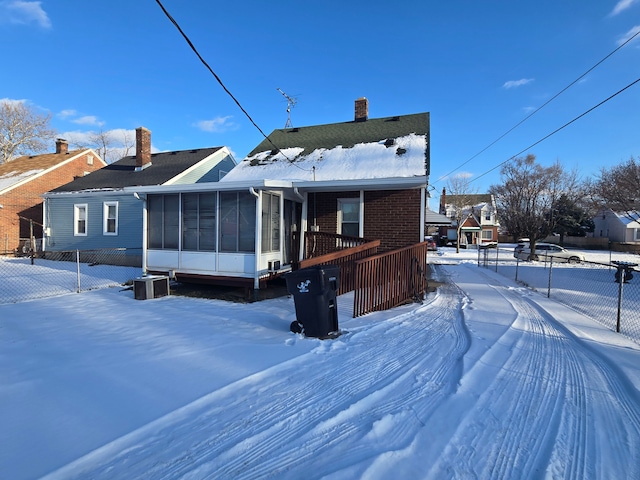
548 251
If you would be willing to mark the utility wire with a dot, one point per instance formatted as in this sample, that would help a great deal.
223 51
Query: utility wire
204 62
556 130
539 108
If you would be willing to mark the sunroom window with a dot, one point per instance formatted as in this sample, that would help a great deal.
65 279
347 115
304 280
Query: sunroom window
270 222
237 222
199 221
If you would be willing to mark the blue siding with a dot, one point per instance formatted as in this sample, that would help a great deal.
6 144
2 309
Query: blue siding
208 171
60 217
214 174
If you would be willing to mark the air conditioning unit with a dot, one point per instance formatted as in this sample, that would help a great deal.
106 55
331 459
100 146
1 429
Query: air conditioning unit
153 286
274 266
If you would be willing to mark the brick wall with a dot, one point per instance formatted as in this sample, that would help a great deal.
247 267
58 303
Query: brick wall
393 216
26 201
324 208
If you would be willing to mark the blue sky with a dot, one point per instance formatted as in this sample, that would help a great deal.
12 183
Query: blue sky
479 68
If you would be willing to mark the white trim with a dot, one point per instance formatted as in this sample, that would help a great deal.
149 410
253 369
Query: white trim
208 158
105 218
76 218
340 221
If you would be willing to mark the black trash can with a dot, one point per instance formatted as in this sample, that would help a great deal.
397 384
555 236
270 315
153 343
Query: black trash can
314 291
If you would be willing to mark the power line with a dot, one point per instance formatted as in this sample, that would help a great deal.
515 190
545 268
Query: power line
540 107
557 130
204 62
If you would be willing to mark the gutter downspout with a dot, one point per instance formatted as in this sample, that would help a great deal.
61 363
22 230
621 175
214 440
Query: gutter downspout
423 206
303 226
45 204
258 239
361 218
303 222
144 230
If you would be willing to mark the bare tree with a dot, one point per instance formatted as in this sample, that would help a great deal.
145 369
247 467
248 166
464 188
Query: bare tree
22 131
459 201
110 145
529 194
618 188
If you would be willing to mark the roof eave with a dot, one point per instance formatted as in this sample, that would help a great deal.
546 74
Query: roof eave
390 183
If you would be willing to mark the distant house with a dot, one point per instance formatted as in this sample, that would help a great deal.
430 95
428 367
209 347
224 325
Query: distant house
95 212
362 178
25 179
480 219
617 226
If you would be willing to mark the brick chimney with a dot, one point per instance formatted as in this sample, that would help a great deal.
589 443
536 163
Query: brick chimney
443 201
62 146
362 109
143 147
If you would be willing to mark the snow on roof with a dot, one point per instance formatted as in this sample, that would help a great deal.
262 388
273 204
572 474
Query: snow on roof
11 178
629 218
405 158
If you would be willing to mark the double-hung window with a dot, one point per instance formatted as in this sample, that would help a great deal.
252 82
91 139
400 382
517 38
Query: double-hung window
110 218
80 212
349 217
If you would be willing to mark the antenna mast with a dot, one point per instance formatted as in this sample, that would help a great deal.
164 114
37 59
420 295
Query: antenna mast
291 102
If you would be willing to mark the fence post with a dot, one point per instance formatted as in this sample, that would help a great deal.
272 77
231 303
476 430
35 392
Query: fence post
550 271
78 268
517 265
497 256
623 275
620 288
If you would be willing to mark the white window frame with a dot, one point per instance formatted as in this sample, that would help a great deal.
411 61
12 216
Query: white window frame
105 218
77 208
636 234
487 235
343 201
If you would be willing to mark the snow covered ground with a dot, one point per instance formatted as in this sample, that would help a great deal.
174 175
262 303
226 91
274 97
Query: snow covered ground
485 379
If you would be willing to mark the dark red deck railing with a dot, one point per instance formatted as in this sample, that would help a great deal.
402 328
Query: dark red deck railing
389 279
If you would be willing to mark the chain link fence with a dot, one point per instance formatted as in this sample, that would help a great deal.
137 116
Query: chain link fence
607 291
46 274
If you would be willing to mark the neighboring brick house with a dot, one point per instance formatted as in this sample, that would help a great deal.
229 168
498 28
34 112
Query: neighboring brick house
363 178
24 180
480 218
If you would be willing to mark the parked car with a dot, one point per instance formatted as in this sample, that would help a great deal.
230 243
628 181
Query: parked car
547 251
521 244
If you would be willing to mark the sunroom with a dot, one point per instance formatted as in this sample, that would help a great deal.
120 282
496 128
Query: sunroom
212 232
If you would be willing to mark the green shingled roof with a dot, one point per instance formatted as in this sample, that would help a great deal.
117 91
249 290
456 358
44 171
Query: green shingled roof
346 134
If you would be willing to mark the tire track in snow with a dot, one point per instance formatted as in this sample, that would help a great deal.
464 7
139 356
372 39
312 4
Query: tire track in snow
279 422
550 425
343 425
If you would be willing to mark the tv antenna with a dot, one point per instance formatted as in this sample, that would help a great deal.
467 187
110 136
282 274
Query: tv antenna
291 102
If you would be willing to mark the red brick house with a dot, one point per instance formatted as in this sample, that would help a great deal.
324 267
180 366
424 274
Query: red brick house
25 179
